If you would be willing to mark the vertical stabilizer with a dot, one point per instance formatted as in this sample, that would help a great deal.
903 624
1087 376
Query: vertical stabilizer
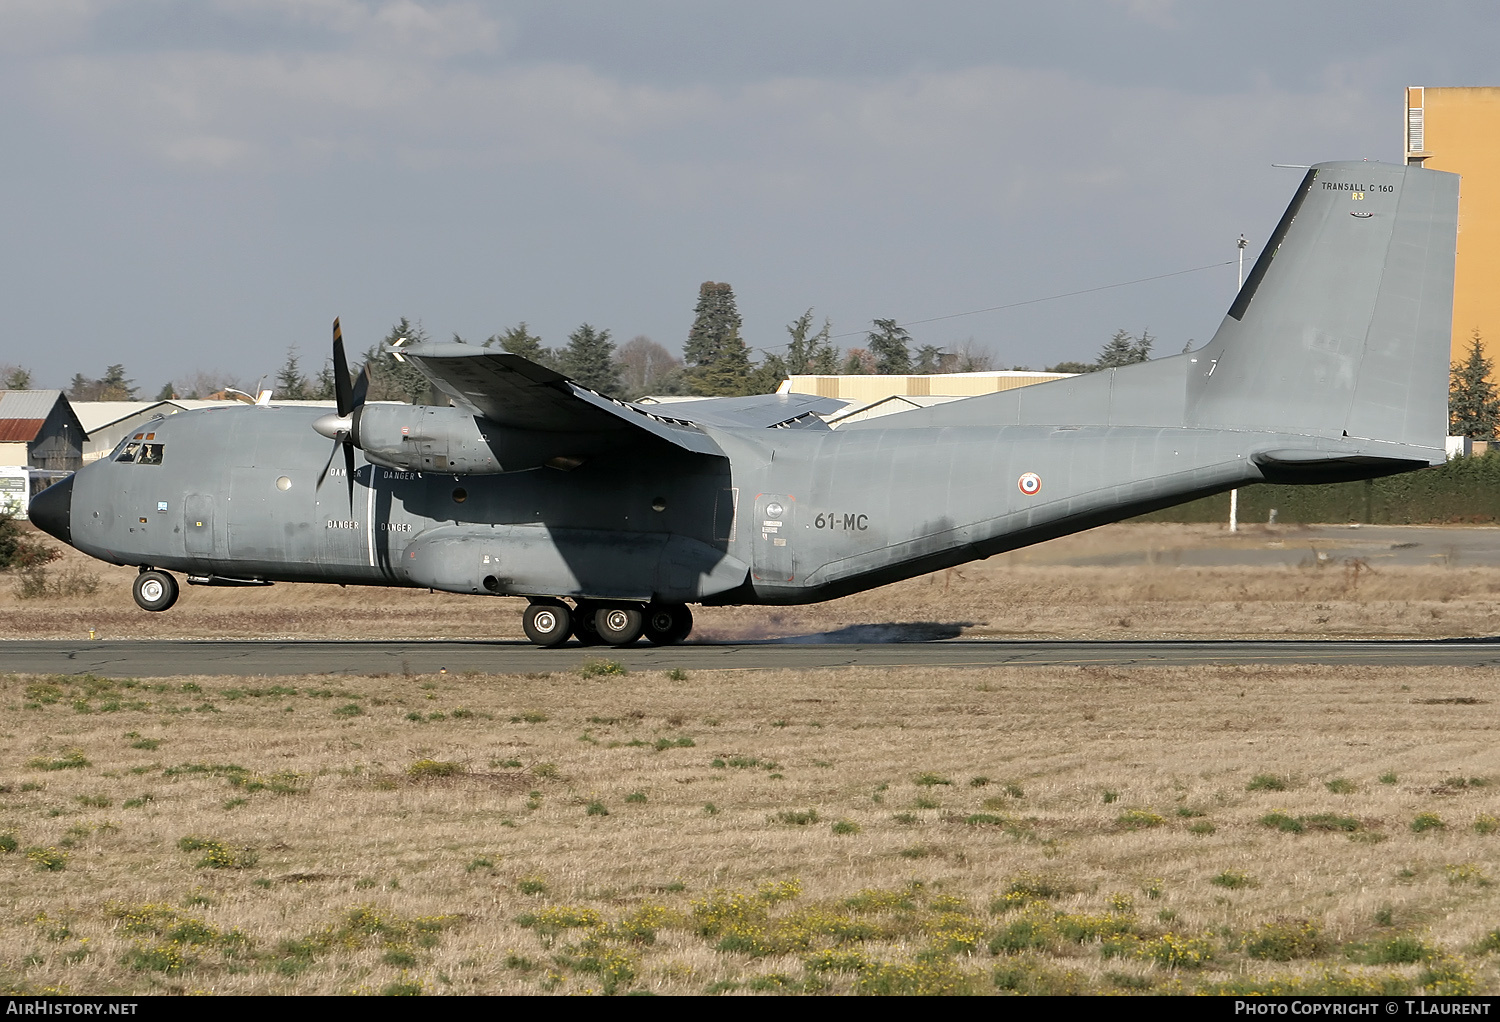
1343 325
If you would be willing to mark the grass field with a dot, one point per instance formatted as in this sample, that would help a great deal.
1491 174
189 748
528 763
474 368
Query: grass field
1030 593
1031 830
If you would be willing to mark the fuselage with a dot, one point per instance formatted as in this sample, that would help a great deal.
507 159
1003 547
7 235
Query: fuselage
787 517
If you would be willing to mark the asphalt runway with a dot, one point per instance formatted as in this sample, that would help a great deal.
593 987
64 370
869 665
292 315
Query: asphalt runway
167 658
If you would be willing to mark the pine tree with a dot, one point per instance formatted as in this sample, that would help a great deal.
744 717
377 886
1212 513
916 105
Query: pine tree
1122 350
322 389
589 359
929 359
168 391
888 344
113 386
13 377
767 377
291 385
81 388
1473 408
810 352
392 380
718 357
520 341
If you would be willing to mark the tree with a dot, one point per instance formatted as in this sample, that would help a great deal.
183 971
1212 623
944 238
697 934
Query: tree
167 392
930 359
858 362
589 359
291 385
17 547
113 386
14 377
201 384
888 344
520 341
322 389
970 358
1473 408
1073 367
719 358
394 380
1120 350
648 368
766 378
808 352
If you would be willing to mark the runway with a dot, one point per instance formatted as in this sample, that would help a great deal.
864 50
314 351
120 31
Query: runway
167 658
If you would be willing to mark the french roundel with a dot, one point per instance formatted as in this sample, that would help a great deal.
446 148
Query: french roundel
1030 484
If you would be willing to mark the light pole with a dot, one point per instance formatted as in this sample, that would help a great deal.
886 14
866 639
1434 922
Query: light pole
1234 495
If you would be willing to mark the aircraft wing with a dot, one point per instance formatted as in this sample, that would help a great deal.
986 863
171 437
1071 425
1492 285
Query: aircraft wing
512 391
763 411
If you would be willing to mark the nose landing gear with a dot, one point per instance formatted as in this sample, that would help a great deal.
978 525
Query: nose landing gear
154 590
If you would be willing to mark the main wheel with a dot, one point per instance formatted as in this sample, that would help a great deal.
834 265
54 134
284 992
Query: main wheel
619 625
154 590
667 623
583 623
547 623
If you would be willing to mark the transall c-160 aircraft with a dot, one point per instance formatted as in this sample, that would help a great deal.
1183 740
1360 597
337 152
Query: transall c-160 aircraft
612 518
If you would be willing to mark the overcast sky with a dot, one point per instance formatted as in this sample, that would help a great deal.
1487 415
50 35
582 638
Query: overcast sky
198 184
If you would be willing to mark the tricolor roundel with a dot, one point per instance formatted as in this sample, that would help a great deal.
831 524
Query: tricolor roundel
1030 484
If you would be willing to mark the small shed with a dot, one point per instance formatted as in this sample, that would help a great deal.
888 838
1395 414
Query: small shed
38 429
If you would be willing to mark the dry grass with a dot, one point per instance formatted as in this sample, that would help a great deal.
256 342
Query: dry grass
1031 593
883 828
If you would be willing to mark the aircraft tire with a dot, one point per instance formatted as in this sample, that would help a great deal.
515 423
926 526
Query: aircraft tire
583 624
667 623
548 623
154 590
619 624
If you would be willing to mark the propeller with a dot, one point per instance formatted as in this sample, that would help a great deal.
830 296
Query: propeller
343 428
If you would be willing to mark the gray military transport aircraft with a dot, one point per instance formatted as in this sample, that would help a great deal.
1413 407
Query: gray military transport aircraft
1332 364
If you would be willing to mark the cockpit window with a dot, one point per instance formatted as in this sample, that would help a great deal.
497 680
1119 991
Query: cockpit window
140 453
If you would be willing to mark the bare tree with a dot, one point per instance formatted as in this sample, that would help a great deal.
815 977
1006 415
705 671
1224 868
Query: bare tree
648 368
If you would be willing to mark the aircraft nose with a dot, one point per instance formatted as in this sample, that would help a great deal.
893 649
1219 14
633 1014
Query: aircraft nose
52 510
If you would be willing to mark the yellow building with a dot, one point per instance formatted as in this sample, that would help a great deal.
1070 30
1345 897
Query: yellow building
874 388
1458 129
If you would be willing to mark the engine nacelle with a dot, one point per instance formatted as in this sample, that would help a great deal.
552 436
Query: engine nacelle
424 438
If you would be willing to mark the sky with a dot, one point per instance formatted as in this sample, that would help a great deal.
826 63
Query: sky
203 184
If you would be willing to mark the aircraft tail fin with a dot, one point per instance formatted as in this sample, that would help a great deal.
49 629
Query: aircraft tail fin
1342 328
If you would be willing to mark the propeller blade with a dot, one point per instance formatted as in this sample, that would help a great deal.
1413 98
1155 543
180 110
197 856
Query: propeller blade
361 388
349 473
327 465
341 392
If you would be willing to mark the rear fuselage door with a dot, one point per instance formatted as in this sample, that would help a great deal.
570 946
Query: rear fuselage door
774 546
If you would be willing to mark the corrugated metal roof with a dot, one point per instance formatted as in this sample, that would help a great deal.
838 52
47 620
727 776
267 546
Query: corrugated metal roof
27 404
20 431
98 414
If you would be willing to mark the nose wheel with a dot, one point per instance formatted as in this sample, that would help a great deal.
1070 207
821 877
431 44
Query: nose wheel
154 590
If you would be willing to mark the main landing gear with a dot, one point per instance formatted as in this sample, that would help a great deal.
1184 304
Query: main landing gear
548 622
154 590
